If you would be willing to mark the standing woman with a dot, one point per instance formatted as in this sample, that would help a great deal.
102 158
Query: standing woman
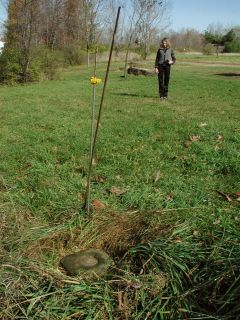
164 59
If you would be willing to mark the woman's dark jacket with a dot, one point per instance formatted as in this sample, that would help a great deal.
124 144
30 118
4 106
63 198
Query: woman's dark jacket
164 55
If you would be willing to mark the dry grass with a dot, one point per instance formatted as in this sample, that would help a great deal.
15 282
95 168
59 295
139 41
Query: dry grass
114 232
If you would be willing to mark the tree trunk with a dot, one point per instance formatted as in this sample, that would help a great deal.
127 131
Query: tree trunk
126 57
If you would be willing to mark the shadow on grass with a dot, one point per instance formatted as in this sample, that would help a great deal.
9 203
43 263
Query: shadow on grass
228 74
123 94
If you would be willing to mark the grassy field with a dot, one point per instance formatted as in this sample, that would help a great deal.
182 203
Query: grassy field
221 58
166 172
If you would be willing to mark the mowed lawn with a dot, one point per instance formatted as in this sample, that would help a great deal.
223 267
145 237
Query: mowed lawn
179 157
45 137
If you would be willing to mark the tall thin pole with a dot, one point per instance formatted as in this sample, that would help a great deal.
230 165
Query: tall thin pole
93 105
92 128
87 201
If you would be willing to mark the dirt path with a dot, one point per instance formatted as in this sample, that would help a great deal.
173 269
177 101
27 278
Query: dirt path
209 63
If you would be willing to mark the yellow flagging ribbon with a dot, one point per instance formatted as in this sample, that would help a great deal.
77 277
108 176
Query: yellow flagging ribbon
95 80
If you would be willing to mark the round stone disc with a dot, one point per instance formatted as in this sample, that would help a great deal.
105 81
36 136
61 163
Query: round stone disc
86 262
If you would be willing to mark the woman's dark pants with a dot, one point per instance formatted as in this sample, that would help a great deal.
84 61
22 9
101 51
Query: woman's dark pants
163 79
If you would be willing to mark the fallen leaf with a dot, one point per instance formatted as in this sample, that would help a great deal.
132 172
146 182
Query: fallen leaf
98 205
196 233
117 191
203 124
99 179
178 239
225 196
120 305
170 196
123 302
219 137
195 138
82 196
84 182
136 285
187 143
157 176
236 196
81 170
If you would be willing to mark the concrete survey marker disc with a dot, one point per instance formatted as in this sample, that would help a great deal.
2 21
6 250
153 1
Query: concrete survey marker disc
86 263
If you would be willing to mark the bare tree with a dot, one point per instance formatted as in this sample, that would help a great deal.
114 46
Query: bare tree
21 27
91 9
186 39
153 17
110 9
133 21
51 23
82 22
72 24
217 29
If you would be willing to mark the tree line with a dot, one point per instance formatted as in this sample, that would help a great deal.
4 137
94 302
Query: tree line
39 32
215 39
42 35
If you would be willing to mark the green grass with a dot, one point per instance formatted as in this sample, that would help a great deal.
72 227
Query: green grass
189 232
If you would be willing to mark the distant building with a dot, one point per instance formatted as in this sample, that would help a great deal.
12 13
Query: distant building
1 45
219 49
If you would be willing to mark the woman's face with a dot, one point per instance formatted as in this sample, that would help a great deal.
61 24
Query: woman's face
164 43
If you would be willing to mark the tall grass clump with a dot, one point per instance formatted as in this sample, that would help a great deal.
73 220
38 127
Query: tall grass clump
164 270
203 271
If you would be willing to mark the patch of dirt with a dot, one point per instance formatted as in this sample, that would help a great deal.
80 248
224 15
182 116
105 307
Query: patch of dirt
208 63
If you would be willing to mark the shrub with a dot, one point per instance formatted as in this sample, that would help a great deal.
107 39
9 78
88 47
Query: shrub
44 63
10 68
102 48
209 49
47 62
74 55
233 46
